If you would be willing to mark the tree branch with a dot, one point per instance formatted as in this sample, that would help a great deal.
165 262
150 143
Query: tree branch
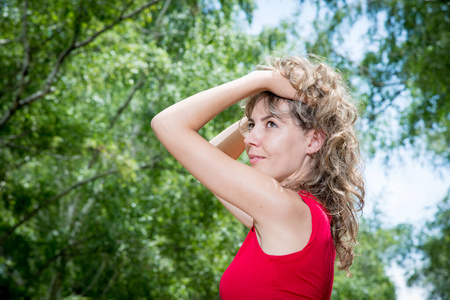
55 198
31 214
117 21
46 89
96 277
13 137
58 156
61 252
161 13
111 281
26 56
25 62
48 82
136 87
388 102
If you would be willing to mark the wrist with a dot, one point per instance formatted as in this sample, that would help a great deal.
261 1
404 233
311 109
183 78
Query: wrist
263 80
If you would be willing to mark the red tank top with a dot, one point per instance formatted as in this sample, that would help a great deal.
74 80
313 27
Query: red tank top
306 274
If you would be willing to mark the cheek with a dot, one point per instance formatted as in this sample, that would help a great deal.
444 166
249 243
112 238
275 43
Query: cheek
278 144
295 149
287 145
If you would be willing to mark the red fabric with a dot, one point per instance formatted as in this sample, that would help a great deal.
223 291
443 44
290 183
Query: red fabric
306 274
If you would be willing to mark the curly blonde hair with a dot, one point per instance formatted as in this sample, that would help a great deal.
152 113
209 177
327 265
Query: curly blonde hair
324 103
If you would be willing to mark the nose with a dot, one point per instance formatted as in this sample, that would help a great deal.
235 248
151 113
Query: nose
253 138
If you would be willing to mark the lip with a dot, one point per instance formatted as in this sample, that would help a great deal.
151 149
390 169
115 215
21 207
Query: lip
255 158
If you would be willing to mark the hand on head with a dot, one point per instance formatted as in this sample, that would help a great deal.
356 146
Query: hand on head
281 86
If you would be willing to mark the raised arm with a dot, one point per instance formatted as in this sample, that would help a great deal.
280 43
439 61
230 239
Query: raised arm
231 142
253 192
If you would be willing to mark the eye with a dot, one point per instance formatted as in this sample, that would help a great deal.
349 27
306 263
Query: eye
271 124
250 126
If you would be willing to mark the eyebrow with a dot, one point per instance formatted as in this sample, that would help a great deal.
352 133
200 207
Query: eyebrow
266 118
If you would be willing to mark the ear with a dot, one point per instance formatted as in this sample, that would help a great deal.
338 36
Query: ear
316 139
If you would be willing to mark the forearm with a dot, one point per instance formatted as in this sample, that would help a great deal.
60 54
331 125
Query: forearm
230 141
194 112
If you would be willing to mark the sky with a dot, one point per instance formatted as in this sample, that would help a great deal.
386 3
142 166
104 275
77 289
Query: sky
406 190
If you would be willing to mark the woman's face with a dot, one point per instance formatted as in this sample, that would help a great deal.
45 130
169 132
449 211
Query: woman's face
276 146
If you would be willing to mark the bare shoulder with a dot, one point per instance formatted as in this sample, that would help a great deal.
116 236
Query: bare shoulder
289 209
289 230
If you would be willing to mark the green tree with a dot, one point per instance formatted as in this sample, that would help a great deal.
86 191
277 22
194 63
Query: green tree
413 58
378 247
404 68
434 248
91 204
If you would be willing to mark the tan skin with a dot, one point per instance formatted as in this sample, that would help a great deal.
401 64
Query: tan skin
253 194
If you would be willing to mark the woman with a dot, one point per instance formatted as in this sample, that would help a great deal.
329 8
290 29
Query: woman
300 194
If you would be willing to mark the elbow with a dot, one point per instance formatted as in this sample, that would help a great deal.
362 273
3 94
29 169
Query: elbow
162 125
154 123
157 125
166 123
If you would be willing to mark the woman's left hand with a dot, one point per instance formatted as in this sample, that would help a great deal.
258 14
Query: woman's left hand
280 85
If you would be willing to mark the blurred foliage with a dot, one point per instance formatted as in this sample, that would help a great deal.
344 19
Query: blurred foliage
433 270
401 79
377 247
91 205
403 74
